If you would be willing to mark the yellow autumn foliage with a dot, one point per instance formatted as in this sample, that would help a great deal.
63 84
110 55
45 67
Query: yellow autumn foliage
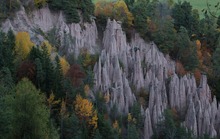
63 110
84 110
86 89
48 47
122 13
115 125
129 117
40 2
117 10
23 45
51 100
93 121
64 65
87 59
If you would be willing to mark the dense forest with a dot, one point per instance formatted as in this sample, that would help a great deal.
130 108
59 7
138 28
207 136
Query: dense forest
46 95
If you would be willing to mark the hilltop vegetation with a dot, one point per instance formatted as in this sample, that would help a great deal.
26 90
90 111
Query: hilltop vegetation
202 4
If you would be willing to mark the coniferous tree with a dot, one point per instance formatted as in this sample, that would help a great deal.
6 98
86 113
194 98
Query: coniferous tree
6 81
71 127
105 128
165 36
183 16
186 52
10 44
218 21
40 74
58 79
87 8
71 12
6 118
3 38
136 113
142 11
44 69
216 60
35 53
7 44
132 132
208 31
170 129
8 7
55 4
97 135
48 68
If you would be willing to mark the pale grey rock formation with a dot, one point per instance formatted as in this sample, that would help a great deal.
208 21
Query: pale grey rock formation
148 131
43 20
109 75
191 122
142 65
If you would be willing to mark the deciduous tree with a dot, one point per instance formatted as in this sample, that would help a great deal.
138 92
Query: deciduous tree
84 110
23 45
30 114
64 65
75 75
40 3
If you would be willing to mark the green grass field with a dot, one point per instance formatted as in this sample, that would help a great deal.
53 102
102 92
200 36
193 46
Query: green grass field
197 4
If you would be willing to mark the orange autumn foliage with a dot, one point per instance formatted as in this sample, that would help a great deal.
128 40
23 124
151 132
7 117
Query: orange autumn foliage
197 74
151 25
27 69
180 70
199 52
104 7
75 75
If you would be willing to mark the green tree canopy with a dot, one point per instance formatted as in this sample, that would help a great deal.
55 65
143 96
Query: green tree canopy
184 16
30 116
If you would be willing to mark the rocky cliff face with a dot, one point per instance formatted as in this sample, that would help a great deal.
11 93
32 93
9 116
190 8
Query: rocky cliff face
142 65
125 68
72 37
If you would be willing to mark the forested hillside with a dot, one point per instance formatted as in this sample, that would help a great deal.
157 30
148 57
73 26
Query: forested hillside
122 69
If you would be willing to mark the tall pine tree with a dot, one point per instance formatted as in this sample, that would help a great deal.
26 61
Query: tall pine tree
58 79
